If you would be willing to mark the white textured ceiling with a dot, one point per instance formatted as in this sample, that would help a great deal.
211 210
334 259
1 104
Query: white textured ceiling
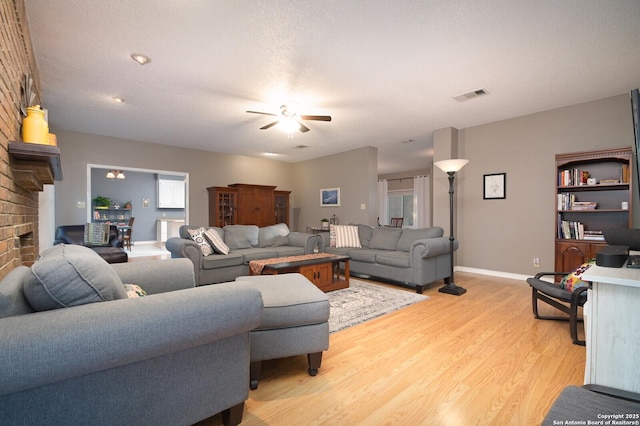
386 71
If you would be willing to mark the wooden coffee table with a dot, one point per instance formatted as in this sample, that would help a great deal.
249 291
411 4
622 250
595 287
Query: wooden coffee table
322 269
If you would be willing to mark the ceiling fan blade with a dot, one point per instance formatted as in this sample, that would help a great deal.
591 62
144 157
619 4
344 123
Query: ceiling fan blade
269 125
316 117
263 113
303 128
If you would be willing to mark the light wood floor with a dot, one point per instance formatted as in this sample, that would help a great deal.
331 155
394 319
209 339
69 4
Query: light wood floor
476 359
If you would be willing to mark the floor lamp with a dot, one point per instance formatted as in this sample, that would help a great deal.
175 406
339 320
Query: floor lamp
451 167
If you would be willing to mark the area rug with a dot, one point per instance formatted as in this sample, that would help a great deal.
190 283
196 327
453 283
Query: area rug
363 301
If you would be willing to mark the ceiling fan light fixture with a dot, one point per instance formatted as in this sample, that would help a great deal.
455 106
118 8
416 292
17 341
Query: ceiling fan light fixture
289 125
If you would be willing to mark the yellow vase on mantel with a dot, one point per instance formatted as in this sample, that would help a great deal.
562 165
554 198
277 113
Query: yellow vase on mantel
34 127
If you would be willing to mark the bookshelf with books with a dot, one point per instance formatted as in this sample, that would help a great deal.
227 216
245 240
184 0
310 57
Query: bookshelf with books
593 193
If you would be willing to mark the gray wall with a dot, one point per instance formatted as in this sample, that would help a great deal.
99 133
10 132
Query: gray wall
505 235
204 168
354 172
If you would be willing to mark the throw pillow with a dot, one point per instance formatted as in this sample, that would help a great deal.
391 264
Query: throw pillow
385 238
216 241
69 279
365 232
241 236
574 280
273 236
347 236
96 234
197 235
134 290
332 235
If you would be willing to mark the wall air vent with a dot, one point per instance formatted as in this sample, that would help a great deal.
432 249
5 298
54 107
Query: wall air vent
470 95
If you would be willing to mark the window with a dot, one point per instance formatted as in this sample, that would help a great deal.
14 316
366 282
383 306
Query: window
401 205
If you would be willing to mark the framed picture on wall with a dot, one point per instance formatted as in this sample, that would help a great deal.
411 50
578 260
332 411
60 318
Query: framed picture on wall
330 197
495 186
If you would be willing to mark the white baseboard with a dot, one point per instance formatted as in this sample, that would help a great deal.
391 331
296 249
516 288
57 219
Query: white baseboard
499 274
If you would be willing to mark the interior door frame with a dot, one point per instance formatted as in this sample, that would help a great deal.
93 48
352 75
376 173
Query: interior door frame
90 167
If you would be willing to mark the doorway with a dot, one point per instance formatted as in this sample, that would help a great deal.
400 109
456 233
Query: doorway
139 187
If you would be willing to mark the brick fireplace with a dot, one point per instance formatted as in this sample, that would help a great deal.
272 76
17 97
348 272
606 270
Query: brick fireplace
18 205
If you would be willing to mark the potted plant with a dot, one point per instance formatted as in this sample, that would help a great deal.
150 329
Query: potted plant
101 202
325 223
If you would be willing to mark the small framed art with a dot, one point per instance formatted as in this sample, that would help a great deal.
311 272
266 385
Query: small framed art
495 186
330 197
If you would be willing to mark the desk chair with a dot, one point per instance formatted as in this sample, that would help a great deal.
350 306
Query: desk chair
126 238
396 222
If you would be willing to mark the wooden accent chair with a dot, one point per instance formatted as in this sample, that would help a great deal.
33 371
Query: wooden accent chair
396 222
126 238
561 299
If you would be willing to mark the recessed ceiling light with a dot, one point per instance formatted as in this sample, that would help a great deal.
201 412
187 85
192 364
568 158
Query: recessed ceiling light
271 154
140 58
118 99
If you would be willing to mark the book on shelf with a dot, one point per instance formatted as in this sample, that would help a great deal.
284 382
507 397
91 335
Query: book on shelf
624 173
573 230
567 201
593 235
583 205
572 177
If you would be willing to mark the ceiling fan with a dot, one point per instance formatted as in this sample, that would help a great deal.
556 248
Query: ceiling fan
289 119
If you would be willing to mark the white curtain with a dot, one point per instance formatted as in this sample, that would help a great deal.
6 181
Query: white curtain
421 202
383 203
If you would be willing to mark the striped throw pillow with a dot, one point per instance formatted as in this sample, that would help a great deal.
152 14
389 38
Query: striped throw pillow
216 242
347 236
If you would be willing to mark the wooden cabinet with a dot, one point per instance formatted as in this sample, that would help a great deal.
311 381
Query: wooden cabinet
593 193
570 254
326 276
222 206
282 206
244 204
320 275
256 204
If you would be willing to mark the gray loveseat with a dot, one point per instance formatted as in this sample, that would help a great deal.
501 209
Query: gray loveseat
246 243
174 357
415 257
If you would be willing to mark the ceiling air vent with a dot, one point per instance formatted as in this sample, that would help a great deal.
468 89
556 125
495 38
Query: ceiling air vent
302 146
470 95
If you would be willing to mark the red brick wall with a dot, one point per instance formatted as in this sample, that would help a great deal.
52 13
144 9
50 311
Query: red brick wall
18 206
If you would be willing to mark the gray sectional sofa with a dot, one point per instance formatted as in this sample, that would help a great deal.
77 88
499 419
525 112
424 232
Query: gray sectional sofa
415 257
174 357
246 243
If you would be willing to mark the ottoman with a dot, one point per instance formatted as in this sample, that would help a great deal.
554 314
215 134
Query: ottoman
295 321
112 254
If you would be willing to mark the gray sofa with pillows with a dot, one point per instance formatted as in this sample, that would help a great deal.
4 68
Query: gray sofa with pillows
222 254
415 257
77 349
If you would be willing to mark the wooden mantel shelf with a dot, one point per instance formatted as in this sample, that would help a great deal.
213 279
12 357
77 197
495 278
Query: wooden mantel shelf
35 165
